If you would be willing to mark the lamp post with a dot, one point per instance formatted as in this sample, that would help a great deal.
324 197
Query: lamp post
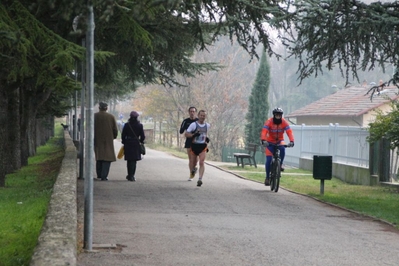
87 140
82 107
75 102
88 217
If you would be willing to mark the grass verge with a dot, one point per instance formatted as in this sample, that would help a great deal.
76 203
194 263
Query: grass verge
376 201
24 202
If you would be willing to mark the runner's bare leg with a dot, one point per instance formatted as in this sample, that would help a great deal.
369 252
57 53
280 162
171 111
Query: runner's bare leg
189 154
202 156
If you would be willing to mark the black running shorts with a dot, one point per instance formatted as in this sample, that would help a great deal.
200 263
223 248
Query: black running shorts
197 148
187 144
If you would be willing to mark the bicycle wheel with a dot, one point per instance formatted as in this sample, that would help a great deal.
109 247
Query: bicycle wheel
278 175
272 176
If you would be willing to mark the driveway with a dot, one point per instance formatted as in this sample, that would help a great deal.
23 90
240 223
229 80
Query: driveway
163 219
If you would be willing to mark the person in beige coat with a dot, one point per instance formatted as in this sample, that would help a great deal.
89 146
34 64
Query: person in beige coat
105 131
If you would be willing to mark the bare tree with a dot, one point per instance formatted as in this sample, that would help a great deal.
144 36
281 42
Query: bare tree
223 94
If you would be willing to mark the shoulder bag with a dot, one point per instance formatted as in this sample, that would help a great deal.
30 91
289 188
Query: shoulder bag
142 147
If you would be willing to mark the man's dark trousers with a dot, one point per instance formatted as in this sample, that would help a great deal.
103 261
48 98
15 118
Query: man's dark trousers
102 168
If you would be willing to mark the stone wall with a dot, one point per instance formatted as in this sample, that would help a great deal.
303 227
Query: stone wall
57 243
347 173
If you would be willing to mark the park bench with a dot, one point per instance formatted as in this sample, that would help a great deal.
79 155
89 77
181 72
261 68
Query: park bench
247 158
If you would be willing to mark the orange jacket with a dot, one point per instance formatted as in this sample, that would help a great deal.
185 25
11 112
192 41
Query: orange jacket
275 133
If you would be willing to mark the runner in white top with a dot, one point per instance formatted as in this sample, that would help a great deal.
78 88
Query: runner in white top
198 131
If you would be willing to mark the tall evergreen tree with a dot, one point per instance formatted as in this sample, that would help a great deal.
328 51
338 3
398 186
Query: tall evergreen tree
350 35
258 102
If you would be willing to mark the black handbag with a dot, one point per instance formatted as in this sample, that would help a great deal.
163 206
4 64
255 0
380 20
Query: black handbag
142 147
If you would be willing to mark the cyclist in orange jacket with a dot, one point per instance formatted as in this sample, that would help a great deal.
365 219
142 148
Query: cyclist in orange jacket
273 132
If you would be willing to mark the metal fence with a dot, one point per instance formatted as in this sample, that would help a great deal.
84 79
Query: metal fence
347 145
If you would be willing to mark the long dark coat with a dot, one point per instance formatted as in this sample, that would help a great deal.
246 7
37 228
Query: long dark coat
131 143
105 131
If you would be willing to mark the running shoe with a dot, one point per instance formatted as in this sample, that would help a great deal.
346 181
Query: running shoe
267 182
199 183
192 174
194 171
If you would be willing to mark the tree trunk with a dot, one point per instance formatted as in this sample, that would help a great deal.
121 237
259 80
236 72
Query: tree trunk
31 100
40 132
3 138
31 131
44 129
14 130
24 111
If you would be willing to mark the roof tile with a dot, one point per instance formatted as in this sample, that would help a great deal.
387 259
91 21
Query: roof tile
351 101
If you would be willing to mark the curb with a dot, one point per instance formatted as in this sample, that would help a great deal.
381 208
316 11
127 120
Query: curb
58 238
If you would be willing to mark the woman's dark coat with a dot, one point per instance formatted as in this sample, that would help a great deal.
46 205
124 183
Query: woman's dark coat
131 143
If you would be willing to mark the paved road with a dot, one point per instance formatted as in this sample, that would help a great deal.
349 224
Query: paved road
163 219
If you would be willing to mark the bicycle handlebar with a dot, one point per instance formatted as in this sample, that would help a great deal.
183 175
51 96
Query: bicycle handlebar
278 145
284 145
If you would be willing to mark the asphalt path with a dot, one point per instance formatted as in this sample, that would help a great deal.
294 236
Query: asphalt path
163 219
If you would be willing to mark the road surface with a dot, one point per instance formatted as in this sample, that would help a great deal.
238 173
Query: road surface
163 219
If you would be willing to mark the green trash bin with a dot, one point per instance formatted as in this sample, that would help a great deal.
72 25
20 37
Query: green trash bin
322 167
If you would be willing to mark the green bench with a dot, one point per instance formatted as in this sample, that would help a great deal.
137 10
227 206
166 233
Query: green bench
247 158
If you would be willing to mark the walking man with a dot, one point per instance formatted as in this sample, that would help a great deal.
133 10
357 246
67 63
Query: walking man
192 160
198 131
105 131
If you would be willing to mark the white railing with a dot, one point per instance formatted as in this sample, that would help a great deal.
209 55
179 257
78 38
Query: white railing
347 145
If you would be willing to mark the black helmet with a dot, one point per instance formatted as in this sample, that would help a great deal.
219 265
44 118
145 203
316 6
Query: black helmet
278 110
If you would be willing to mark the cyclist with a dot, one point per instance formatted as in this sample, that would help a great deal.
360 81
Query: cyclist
273 132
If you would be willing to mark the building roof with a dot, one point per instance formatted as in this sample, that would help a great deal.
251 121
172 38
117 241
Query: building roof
351 101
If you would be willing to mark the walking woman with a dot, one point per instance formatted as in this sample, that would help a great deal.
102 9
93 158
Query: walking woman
132 134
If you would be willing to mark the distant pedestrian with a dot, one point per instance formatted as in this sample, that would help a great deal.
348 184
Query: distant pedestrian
79 121
120 123
132 135
198 131
192 160
79 127
105 131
